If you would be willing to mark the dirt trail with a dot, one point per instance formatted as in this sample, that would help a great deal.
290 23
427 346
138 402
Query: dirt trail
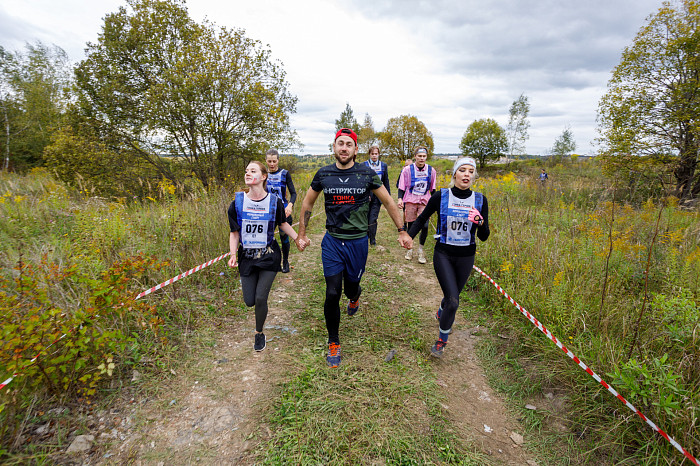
475 408
210 413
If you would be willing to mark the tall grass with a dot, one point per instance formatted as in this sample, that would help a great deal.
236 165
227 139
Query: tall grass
618 282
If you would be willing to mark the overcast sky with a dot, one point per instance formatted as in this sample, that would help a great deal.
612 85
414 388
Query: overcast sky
448 62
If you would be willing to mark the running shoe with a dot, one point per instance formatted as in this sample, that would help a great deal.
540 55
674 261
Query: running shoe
259 342
438 314
438 348
409 255
285 267
333 358
421 256
353 307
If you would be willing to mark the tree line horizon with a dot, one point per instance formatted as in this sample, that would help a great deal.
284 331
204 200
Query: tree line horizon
157 82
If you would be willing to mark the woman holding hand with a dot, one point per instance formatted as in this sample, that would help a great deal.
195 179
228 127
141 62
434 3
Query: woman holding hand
463 217
253 217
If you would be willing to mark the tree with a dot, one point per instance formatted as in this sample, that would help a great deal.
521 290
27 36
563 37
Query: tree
652 104
518 124
32 100
157 83
564 145
484 140
403 134
366 137
347 120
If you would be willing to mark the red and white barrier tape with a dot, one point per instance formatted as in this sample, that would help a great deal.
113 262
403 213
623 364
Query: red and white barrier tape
583 366
191 271
9 379
182 275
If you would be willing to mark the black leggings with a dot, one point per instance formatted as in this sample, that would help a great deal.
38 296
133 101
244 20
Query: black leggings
423 232
452 273
331 307
256 289
373 218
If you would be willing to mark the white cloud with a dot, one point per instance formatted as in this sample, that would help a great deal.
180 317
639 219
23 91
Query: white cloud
448 62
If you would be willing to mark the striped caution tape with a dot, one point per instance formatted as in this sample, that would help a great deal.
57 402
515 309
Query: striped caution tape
191 271
182 275
583 366
9 379
141 295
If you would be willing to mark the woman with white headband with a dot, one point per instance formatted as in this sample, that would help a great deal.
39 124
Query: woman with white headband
463 215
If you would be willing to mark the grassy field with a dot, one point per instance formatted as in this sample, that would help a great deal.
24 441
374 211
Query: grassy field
618 279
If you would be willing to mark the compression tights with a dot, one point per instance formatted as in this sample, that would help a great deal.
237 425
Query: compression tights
331 306
452 273
256 289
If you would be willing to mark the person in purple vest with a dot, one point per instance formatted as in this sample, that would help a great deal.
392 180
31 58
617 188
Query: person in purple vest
253 217
382 171
416 185
463 217
278 182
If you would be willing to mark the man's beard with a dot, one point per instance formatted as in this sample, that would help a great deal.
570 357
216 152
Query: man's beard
337 157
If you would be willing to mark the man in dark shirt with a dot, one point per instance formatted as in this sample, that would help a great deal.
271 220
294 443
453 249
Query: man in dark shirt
278 182
382 171
346 187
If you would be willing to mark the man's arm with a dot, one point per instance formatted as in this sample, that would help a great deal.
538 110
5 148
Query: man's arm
383 195
385 178
306 207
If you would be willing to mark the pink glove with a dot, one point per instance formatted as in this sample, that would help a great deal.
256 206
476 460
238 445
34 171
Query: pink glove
475 216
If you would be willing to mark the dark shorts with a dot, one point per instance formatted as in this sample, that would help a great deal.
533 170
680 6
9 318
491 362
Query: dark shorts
344 255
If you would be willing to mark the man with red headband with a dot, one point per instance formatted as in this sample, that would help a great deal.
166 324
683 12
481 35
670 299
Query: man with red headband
346 187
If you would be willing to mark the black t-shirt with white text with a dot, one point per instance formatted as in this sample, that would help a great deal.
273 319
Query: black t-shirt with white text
346 194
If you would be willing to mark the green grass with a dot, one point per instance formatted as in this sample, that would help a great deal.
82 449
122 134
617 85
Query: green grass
548 248
368 410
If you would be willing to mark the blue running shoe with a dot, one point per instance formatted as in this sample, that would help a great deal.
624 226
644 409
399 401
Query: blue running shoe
353 307
333 358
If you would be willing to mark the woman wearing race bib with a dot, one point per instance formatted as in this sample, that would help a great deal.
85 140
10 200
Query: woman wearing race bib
463 215
416 184
253 217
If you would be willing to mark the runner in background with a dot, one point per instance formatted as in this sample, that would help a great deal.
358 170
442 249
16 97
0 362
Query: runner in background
278 182
346 187
403 208
253 217
382 171
416 184
463 216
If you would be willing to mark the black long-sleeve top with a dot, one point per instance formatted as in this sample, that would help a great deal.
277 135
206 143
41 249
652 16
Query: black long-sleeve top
482 232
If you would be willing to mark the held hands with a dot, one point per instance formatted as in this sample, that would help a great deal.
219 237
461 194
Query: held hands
302 242
405 240
475 216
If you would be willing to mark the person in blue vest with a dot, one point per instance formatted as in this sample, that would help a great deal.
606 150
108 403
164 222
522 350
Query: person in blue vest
278 182
253 217
416 185
463 217
346 187
382 171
